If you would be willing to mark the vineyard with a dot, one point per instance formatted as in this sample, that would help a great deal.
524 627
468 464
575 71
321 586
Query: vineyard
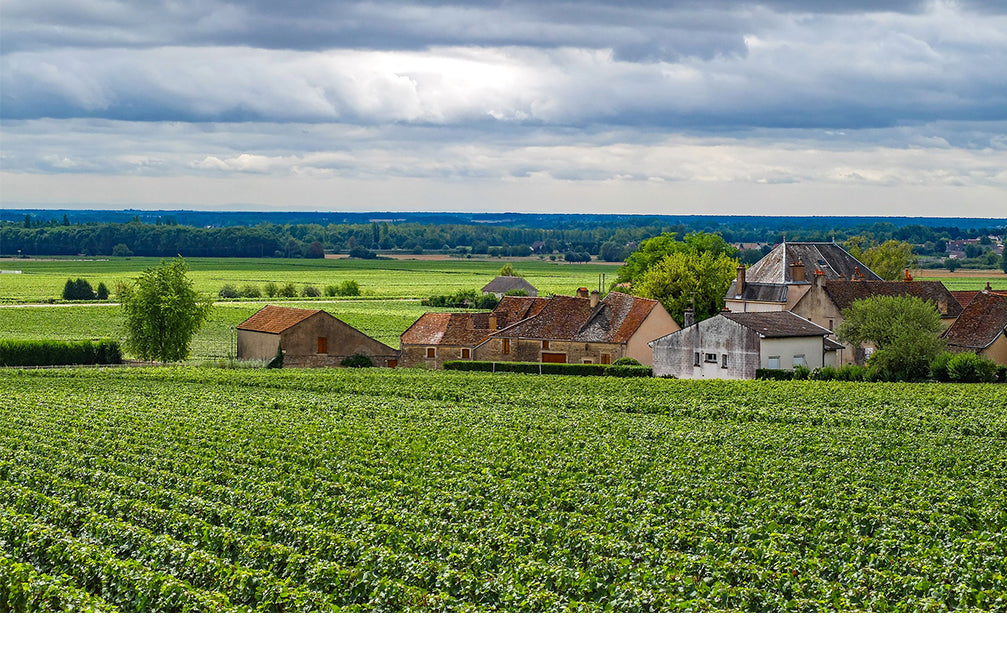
188 489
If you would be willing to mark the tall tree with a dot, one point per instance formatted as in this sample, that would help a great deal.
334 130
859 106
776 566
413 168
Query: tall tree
685 278
653 250
163 312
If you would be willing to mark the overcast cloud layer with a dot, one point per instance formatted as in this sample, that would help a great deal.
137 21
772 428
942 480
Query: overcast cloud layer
781 106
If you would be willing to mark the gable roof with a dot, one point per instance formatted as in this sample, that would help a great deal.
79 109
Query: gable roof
511 310
981 322
827 257
844 292
507 283
777 323
964 296
774 292
469 329
560 318
615 319
275 319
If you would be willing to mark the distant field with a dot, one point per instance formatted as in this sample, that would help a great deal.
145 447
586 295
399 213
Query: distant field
383 320
968 279
41 280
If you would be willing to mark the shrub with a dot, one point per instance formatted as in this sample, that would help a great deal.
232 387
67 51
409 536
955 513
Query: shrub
363 253
970 368
288 290
626 361
43 353
310 291
801 373
79 290
1001 372
228 292
272 289
357 360
121 249
251 291
102 292
331 290
348 289
516 293
774 374
823 373
487 302
460 299
939 367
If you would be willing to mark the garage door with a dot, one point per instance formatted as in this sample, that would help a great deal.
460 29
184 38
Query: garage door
553 357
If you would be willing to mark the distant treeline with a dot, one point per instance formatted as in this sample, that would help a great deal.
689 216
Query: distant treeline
60 237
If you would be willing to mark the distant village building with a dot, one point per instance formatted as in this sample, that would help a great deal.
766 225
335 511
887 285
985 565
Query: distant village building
982 327
735 345
308 338
781 278
501 285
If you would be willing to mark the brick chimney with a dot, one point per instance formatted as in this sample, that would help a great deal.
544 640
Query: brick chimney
595 297
493 322
740 285
582 293
797 272
690 315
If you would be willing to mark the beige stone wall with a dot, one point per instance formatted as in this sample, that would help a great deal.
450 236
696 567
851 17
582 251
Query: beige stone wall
415 355
531 351
657 324
997 352
253 345
300 344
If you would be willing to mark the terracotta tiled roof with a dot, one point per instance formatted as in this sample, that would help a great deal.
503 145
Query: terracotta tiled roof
844 293
448 329
275 319
981 322
507 283
511 310
559 319
616 318
964 296
828 257
782 323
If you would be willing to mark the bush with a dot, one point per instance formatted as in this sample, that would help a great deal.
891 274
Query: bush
1001 372
250 291
774 374
43 353
357 360
121 250
79 290
288 290
460 299
801 373
626 362
228 292
939 367
970 368
348 289
310 291
102 292
363 253
272 289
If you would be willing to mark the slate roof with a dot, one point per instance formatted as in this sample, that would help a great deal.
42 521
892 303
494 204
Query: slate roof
776 292
275 319
828 257
844 292
503 284
981 322
782 323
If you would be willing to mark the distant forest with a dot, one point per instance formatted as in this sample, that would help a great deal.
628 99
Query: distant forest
145 233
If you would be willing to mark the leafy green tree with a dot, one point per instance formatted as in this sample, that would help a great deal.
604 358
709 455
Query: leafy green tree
686 277
101 293
163 312
507 270
905 331
888 259
652 250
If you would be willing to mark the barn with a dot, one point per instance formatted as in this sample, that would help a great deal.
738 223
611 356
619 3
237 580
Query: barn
308 338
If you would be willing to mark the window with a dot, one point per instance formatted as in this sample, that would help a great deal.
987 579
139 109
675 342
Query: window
774 362
392 364
587 361
723 361
506 347
711 358
466 354
545 344
606 358
800 361
831 328
323 345
697 359
431 352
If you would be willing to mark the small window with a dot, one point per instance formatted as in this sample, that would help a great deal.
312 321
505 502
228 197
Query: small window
392 364
831 328
800 361
606 358
545 344
711 358
774 362
587 361
697 359
466 354
723 361
431 352
506 346
323 345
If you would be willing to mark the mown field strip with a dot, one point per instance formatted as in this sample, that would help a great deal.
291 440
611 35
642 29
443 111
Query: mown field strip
194 489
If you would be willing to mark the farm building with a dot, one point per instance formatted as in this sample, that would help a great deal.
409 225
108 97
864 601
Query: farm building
982 327
583 329
781 278
501 285
308 338
735 345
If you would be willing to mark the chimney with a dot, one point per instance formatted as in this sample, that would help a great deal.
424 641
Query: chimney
819 278
797 272
740 289
906 276
690 315
595 297
493 321
582 293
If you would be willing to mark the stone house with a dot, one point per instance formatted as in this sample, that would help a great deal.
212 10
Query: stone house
439 336
501 285
825 300
781 278
582 329
308 338
734 345
982 327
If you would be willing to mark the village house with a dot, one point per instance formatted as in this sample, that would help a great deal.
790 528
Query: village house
781 278
734 345
583 329
982 327
501 285
308 338
439 336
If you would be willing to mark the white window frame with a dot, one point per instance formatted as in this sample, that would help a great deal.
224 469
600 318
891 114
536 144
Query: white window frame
774 362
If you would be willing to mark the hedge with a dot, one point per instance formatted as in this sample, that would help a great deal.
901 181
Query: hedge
548 368
44 353
774 374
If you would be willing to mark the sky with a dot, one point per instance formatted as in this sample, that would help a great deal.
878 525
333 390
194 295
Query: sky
771 107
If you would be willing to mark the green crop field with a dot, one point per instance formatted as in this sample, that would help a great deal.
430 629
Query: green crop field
41 280
188 489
